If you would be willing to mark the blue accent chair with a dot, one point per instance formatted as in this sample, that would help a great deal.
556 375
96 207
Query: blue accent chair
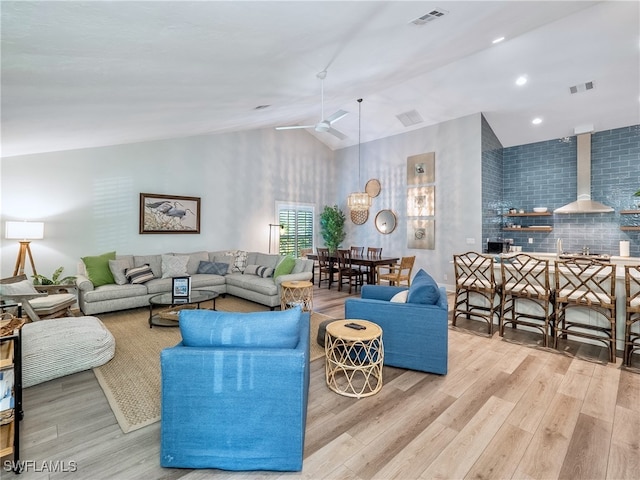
235 391
415 335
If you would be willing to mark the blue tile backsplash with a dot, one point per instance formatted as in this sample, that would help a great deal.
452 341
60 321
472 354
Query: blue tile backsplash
544 174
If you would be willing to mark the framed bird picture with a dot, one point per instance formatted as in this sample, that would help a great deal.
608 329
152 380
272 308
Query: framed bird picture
169 214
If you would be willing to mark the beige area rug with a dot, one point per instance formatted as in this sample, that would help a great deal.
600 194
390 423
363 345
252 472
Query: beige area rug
131 380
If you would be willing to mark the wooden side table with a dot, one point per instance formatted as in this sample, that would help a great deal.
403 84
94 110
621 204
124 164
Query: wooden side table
354 358
295 293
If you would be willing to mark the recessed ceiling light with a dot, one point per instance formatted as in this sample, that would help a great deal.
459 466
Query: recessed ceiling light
536 121
521 80
498 40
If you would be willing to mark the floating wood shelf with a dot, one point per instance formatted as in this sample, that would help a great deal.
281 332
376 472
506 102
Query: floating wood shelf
530 214
629 212
630 229
528 229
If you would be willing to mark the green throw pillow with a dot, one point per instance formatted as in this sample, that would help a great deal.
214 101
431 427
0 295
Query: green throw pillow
98 269
284 267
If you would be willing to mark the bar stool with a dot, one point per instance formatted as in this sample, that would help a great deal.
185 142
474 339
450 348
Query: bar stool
632 334
586 284
476 288
525 282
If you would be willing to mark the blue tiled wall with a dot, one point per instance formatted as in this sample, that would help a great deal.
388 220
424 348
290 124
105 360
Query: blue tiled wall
544 175
491 183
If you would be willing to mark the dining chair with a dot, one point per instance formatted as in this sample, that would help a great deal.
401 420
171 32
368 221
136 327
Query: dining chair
632 320
357 251
368 272
396 274
586 284
527 297
346 271
477 295
326 271
374 252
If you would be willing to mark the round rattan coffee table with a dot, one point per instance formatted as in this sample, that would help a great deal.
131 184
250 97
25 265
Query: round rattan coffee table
295 293
354 358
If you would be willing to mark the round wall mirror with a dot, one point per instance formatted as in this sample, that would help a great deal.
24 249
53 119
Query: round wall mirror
373 187
385 221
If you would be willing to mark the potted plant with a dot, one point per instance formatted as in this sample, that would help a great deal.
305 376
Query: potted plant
332 227
54 280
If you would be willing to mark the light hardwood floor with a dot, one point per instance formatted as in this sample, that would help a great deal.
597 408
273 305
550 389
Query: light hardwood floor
503 411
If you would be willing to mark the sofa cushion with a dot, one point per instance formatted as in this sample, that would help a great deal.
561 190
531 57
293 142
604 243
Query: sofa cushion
97 268
140 274
194 260
213 268
210 328
118 270
253 283
154 261
259 270
174 265
284 267
113 292
265 259
400 297
423 289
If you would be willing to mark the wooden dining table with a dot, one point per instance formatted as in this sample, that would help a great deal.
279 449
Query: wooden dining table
362 260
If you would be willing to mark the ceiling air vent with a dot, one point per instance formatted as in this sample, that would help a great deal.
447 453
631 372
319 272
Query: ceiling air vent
412 117
581 87
428 17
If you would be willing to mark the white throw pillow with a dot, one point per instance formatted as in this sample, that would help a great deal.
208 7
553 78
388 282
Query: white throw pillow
23 287
118 269
174 265
400 297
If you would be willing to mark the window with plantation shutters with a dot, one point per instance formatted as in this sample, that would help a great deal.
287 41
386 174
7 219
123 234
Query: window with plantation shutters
297 228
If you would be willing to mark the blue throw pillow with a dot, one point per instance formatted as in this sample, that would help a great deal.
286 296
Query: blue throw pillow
215 268
423 289
210 328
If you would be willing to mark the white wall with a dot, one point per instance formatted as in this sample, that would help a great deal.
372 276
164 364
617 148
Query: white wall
89 198
457 147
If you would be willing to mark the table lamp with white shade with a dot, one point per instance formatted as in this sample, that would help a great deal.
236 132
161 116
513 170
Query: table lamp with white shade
25 232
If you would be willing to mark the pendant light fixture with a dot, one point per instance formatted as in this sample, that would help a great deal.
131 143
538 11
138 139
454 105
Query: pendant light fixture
359 201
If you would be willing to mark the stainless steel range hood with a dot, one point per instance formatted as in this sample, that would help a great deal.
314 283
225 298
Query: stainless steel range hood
584 204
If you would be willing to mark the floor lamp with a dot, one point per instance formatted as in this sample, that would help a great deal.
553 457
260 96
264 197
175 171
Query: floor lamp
271 225
25 232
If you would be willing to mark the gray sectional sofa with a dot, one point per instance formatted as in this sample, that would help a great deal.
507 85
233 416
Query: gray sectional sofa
238 280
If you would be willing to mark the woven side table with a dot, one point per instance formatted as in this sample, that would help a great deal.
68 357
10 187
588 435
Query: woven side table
354 358
295 293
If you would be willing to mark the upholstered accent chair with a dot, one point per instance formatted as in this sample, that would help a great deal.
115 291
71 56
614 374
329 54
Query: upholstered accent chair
414 322
234 391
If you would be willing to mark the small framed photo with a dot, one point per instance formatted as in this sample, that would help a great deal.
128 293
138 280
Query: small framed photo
181 287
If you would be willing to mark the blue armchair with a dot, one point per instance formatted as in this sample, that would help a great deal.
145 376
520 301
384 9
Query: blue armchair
415 335
234 391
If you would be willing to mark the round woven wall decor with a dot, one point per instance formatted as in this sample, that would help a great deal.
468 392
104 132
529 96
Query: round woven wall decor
359 217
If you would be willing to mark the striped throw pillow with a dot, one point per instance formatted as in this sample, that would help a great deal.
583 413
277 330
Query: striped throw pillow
139 274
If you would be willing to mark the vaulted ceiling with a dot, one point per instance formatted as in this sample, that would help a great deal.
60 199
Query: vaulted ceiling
82 74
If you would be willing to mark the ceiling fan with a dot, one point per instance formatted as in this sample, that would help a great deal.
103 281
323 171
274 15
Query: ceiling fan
325 124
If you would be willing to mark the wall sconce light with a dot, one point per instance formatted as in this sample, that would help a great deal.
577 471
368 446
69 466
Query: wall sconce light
25 232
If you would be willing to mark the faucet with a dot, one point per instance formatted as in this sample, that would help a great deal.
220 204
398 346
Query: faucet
585 250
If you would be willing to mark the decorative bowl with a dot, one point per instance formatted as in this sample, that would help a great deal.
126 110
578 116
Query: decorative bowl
540 209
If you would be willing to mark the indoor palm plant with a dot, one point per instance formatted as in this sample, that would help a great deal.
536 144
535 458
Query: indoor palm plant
54 280
332 227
